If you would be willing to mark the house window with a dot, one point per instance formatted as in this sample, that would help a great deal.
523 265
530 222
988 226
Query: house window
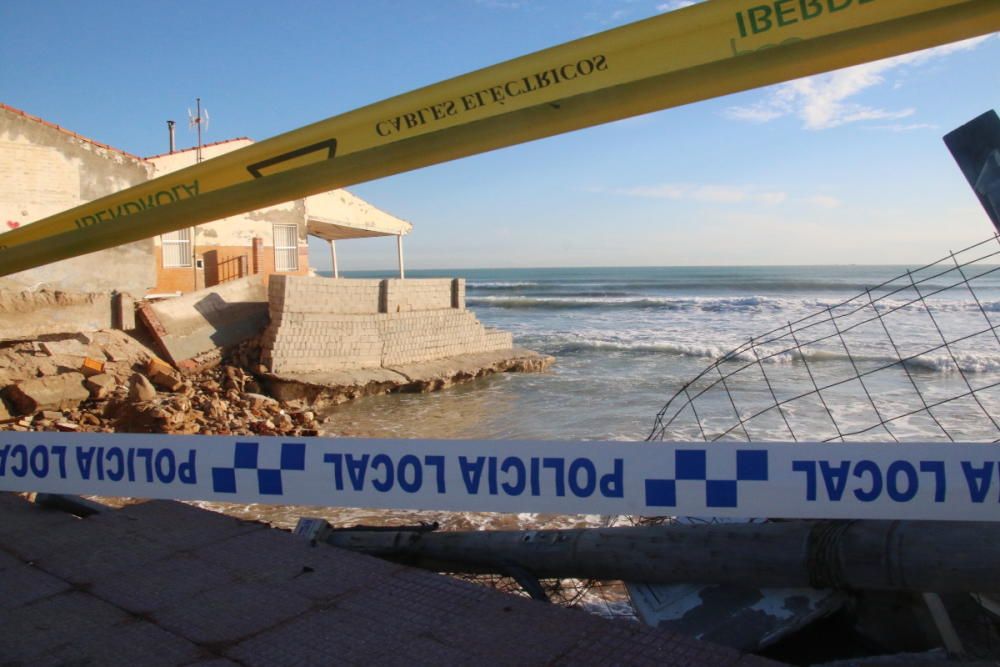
176 248
286 248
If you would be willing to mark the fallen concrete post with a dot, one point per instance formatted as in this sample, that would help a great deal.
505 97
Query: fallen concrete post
193 329
941 557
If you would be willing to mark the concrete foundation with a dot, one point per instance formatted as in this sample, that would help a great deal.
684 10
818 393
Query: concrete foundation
334 387
319 325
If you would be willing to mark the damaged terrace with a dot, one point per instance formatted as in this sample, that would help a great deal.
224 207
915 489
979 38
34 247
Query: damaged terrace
241 283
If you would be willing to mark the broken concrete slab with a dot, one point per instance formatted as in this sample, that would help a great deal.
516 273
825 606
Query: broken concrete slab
71 347
54 392
335 387
218 317
6 414
100 386
163 375
428 376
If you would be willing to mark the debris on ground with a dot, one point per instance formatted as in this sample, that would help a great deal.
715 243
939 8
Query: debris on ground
110 381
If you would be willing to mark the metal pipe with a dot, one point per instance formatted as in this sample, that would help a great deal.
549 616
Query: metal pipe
171 133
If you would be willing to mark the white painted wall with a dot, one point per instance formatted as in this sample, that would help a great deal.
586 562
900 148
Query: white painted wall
44 170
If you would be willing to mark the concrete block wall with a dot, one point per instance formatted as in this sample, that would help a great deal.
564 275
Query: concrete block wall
407 295
306 294
321 324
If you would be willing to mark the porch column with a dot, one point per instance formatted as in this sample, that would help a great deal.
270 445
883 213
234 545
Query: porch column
399 249
333 256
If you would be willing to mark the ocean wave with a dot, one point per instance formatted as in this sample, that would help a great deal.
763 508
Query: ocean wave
793 285
546 297
499 284
967 363
934 304
939 363
951 306
542 293
585 300
644 303
578 346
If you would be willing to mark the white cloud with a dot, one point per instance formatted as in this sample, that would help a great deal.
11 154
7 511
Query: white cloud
825 101
720 194
771 198
823 201
671 5
708 193
761 112
500 4
665 191
906 127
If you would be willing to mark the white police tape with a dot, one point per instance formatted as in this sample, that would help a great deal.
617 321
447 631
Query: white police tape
781 480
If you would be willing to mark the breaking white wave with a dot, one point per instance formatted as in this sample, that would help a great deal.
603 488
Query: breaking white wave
938 362
499 284
707 304
967 363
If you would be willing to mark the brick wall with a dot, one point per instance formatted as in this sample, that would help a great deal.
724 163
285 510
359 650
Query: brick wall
322 324
182 279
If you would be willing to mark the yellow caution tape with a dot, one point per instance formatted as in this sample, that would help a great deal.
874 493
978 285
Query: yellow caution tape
703 51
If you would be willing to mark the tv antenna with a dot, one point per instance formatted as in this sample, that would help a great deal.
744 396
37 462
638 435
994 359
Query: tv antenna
197 121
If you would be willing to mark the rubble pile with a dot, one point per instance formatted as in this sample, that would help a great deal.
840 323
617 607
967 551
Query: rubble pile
109 381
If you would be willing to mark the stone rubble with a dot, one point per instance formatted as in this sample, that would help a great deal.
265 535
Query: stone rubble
42 389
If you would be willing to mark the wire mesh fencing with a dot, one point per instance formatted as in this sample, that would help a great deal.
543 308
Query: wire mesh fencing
916 357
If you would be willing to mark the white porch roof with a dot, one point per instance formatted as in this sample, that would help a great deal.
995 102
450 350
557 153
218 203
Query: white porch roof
338 214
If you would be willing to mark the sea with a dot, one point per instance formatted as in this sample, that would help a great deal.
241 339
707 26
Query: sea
894 355
626 340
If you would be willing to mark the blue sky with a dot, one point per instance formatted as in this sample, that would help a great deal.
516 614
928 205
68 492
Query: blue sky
842 168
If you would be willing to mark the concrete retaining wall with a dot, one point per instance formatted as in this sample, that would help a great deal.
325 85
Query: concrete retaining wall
322 324
408 295
299 294
294 294
31 314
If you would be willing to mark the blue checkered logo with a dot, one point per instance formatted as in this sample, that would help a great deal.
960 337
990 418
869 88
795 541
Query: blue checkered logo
691 465
269 480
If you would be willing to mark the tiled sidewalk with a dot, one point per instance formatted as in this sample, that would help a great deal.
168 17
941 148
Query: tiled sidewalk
163 583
